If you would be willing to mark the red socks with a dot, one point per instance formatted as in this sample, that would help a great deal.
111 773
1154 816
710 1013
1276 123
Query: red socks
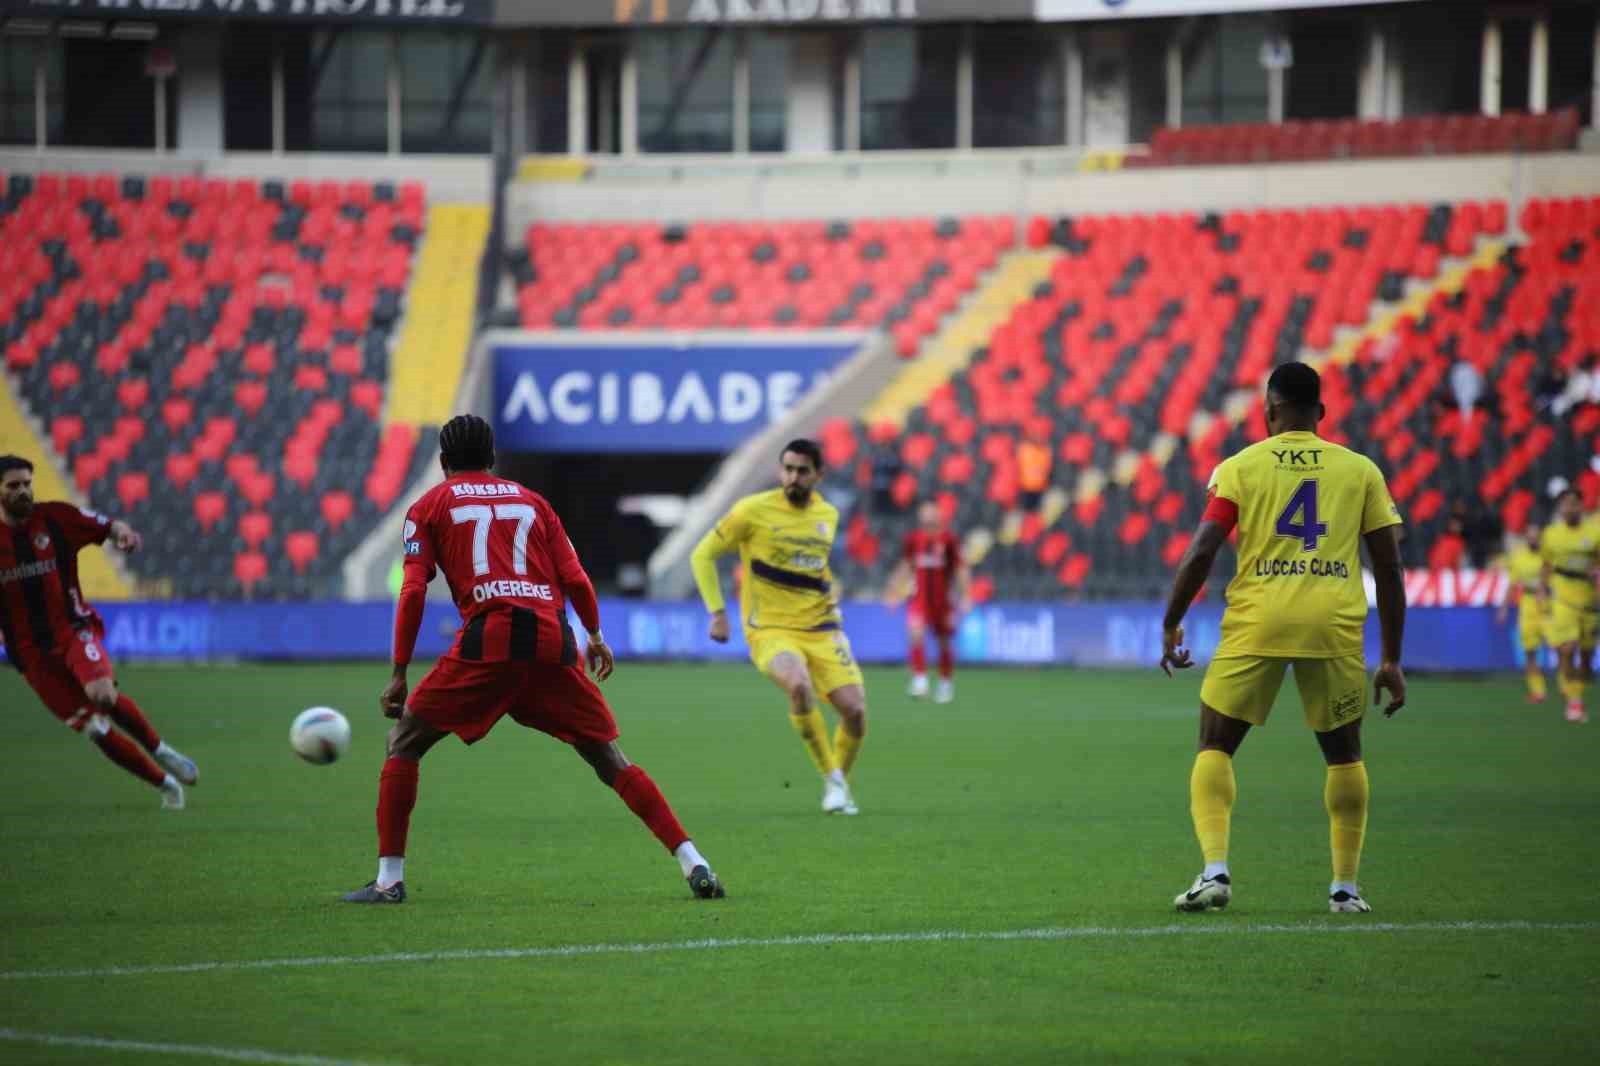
397 794
919 658
645 800
133 722
947 661
126 754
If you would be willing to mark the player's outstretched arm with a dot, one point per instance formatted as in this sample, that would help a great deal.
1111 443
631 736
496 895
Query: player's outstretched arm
1194 570
1383 550
703 561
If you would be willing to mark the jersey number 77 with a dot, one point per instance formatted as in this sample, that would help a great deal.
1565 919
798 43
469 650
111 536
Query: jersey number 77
483 518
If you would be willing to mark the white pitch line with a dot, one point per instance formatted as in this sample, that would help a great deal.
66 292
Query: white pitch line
1199 927
204 1051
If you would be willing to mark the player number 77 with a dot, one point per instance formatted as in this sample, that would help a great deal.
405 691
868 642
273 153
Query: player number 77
482 516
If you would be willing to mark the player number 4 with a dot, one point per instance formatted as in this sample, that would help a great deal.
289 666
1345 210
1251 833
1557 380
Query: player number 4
482 516
1299 519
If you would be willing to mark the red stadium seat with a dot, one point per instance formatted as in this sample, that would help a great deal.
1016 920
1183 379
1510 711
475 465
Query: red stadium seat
66 431
249 569
337 507
254 528
258 489
133 488
301 547
181 470
209 509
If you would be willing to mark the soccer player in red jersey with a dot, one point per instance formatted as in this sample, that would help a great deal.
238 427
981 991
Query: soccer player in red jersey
57 640
932 555
511 569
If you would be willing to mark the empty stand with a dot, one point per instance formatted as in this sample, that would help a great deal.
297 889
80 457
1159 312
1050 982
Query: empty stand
1288 142
209 358
904 275
1141 360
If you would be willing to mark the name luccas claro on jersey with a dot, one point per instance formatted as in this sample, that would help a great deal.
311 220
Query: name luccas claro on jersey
1301 461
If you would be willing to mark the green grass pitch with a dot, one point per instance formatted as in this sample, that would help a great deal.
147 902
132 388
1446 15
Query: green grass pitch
1048 799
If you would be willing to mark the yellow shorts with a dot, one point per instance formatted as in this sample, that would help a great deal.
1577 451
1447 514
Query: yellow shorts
1531 624
1332 691
1571 625
826 654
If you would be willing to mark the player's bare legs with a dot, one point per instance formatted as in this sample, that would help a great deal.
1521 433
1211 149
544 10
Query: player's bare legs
151 759
946 691
1345 795
1211 795
645 800
789 672
917 638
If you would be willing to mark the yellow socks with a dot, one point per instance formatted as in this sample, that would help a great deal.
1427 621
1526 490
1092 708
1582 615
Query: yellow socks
847 747
1211 796
1572 688
1346 799
1536 688
813 733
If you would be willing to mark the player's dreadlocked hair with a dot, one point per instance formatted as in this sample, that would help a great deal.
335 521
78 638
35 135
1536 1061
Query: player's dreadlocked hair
467 443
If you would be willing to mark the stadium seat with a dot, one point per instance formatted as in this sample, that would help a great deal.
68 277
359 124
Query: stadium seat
254 528
209 509
249 570
301 547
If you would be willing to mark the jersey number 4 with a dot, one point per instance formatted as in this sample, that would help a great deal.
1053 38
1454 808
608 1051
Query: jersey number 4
482 517
1299 519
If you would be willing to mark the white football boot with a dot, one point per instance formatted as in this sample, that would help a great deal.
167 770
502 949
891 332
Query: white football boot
177 764
918 688
171 795
945 692
1342 902
1207 894
836 797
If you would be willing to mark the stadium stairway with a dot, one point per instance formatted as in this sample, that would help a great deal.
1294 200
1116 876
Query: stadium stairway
431 355
97 571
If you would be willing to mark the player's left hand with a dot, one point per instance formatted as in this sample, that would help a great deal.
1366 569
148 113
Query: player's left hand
1173 654
125 538
393 699
1392 678
601 661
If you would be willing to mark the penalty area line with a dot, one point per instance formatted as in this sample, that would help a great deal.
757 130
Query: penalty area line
1196 928
203 1051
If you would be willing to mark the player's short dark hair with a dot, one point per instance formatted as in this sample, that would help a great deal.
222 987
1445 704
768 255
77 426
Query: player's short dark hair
1297 385
9 463
467 443
807 448
1570 490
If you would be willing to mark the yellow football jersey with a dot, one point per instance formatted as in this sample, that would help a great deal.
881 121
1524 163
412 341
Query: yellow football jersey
1304 505
1573 553
783 551
1525 569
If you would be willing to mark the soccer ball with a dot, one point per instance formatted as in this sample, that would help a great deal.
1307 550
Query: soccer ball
319 735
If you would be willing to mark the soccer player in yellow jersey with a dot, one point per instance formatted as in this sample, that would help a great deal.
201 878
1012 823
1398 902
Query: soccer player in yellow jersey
1524 568
1571 551
1302 506
791 611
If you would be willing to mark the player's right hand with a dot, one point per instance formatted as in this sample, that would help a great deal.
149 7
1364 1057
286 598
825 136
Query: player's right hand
601 661
1391 677
719 627
393 699
1173 654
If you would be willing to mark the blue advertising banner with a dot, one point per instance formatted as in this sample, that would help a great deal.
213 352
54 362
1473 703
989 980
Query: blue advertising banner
1093 634
699 397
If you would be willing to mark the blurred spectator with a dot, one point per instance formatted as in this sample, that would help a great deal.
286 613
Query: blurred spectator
1479 529
1467 384
885 469
1450 550
1551 385
1034 460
